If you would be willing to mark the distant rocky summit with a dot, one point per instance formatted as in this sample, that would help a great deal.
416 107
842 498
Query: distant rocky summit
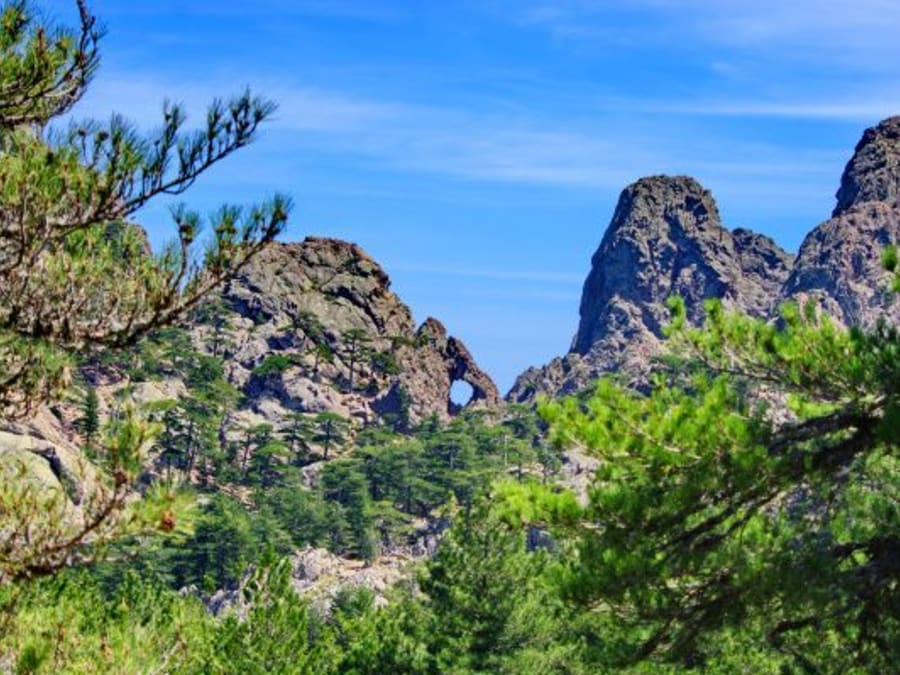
314 327
873 173
839 264
666 238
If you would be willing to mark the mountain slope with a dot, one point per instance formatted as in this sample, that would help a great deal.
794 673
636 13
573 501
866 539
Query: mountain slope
839 265
335 337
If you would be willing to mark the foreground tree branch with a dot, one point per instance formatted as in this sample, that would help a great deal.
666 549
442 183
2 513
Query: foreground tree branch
717 516
77 275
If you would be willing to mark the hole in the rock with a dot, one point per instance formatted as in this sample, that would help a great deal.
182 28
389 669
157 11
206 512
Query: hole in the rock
460 393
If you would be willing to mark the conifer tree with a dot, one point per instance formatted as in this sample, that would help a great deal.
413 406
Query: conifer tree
321 354
90 416
747 506
355 340
331 431
75 275
298 435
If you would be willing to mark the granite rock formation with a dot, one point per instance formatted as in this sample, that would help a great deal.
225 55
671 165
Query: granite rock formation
330 297
292 301
839 265
665 238
873 173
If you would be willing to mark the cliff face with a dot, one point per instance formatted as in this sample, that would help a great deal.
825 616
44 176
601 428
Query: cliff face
873 173
314 327
839 265
666 238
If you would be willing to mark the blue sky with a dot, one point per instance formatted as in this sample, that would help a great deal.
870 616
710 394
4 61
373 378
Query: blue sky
476 148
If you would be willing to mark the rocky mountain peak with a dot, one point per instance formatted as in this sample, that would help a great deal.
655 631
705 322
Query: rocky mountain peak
839 265
666 238
318 275
873 173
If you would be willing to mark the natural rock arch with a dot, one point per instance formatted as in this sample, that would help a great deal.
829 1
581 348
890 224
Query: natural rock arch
462 368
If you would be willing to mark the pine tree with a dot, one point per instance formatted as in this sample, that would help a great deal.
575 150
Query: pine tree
723 531
298 434
343 483
75 275
90 416
491 608
321 354
331 431
355 340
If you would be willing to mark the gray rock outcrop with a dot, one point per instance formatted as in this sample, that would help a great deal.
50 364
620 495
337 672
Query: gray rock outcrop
314 327
666 238
873 173
839 266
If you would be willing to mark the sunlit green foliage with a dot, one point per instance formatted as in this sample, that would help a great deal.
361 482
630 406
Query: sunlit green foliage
752 494
75 275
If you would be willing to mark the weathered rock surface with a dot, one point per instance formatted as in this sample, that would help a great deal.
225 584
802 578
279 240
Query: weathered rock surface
873 173
293 297
319 575
839 265
665 239
394 369
41 450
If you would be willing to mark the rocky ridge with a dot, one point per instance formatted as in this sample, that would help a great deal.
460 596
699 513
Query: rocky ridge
314 327
307 327
839 264
666 238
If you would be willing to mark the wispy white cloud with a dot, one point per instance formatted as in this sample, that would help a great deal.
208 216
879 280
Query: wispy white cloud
834 25
866 109
485 146
139 98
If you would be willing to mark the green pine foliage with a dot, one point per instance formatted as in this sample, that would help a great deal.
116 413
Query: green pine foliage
749 499
275 364
76 277
89 424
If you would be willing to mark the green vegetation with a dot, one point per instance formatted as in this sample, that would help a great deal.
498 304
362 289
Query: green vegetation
141 625
354 341
772 541
274 364
717 537
744 516
89 424
76 277
375 483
